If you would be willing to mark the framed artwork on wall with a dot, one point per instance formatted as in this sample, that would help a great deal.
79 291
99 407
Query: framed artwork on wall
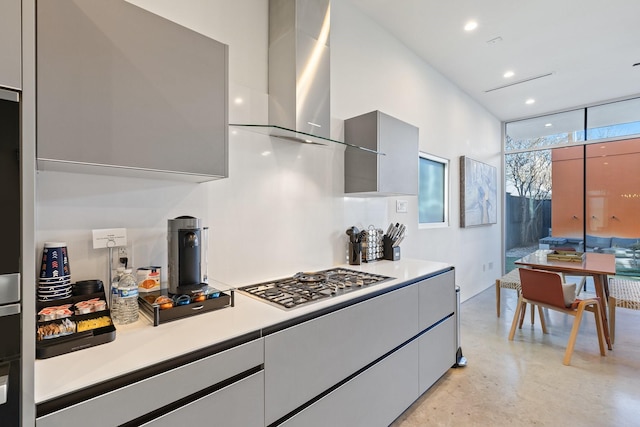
478 193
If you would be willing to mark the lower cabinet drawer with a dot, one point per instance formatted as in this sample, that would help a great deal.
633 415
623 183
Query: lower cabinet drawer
308 359
376 397
437 350
130 402
240 404
437 298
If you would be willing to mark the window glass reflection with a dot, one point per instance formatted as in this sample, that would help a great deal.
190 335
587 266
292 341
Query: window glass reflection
432 190
545 131
614 120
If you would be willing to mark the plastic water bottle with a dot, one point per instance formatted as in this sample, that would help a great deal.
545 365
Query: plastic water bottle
113 301
126 301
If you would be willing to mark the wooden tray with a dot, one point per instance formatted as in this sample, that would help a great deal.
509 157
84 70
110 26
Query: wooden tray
567 256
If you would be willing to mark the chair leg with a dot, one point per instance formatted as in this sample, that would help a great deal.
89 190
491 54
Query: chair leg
522 313
533 314
574 334
498 297
516 318
599 328
542 322
612 319
524 308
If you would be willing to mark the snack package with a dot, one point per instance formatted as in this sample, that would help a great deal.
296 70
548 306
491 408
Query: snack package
148 279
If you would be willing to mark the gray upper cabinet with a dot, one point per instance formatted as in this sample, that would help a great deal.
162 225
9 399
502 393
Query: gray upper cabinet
10 44
395 170
126 92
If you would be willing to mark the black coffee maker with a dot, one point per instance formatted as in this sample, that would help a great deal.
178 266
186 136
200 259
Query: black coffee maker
185 255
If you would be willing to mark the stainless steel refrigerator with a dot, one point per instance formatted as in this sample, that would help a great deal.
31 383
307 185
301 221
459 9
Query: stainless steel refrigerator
10 301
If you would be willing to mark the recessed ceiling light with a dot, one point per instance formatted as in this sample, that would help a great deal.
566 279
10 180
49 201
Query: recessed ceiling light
508 74
529 101
238 101
470 26
548 125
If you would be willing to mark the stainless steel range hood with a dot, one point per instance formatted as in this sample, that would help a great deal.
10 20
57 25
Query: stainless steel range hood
299 84
299 65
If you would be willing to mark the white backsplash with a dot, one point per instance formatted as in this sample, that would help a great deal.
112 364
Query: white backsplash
281 210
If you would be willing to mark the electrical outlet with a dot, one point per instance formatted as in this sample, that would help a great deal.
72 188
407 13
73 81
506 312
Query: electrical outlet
491 265
123 256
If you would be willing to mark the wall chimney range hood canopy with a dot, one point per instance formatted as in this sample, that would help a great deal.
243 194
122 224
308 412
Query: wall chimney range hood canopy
297 136
299 84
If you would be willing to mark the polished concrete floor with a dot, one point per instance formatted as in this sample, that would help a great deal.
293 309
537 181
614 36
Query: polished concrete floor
524 383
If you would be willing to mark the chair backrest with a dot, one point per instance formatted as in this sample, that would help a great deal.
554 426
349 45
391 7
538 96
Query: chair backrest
542 286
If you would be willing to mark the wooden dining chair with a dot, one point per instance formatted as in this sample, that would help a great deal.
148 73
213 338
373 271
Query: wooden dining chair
545 289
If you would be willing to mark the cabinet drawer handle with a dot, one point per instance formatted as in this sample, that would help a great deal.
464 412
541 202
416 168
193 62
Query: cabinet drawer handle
4 383
8 310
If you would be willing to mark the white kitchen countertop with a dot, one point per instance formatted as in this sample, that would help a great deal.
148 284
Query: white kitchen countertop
140 345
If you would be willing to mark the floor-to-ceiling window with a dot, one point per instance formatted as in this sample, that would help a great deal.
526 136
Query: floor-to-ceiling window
571 181
612 202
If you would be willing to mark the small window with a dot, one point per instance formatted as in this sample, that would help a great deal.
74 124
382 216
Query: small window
433 191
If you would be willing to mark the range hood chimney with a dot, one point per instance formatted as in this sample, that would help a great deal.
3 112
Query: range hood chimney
299 65
299 84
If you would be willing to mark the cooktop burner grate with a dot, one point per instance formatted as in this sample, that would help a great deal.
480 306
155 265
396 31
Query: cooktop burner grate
305 288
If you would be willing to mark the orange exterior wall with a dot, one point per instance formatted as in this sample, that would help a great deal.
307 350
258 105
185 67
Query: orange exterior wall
567 192
612 191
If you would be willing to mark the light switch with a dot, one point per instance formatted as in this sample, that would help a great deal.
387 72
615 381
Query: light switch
402 206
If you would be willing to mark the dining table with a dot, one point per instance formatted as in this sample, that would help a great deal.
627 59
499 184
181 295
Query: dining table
597 265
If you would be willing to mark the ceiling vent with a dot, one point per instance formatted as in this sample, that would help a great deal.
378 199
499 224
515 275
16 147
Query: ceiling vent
528 79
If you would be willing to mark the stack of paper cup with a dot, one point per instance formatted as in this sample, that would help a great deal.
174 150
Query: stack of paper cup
55 274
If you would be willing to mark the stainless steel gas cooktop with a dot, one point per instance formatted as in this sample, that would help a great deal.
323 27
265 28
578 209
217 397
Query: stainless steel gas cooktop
305 288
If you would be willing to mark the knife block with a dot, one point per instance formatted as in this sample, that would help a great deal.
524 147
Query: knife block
390 253
355 253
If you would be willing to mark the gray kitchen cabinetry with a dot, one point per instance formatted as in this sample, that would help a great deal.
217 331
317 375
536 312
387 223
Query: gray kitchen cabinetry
365 364
395 170
437 300
123 91
222 407
154 393
381 393
437 353
374 398
305 360
10 44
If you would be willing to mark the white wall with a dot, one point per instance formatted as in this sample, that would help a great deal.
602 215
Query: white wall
282 209
371 70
